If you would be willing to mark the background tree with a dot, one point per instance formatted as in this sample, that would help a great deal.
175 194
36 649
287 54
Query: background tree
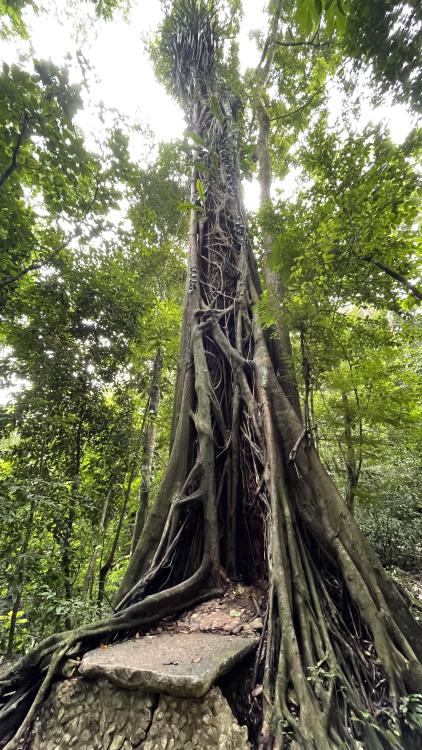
80 339
358 203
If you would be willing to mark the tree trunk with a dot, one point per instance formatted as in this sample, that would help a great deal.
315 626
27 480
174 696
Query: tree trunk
106 567
67 533
245 489
20 579
99 533
148 450
282 353
22 566
352 464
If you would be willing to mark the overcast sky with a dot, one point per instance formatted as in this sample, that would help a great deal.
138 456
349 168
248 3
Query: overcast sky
124 78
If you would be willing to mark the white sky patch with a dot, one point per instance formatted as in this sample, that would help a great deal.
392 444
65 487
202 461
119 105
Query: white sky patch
392 115
122 76
254 18
7 394
15 384
122 73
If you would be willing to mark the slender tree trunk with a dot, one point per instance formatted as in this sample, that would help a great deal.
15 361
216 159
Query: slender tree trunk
23 563
98 544
312 415
106 567
71 515
148 449
352 464
281 344
20 579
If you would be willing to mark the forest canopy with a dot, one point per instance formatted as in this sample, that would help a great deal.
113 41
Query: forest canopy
96 216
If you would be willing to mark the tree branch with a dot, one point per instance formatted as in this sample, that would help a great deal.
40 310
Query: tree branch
304 42
394 275
15 153
40 263
299 109
267 53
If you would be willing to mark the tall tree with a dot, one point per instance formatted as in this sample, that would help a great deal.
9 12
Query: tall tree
244 488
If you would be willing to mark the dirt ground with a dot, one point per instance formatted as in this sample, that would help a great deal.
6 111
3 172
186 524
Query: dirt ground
240 610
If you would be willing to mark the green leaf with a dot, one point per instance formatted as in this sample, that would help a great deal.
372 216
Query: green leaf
195 137
186 206
200 189
307 16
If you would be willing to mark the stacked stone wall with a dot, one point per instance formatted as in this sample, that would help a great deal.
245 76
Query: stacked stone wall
97 715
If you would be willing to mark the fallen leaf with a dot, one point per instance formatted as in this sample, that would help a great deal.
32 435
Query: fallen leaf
265 729
196 659
257 691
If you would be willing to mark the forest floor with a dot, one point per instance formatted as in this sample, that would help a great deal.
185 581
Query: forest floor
240 610
412 581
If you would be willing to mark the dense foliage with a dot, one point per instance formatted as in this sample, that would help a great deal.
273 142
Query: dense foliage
91 283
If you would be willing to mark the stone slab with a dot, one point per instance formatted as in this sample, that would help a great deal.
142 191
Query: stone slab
184 665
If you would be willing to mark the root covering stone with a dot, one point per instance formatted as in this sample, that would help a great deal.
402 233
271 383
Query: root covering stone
100 716
185 665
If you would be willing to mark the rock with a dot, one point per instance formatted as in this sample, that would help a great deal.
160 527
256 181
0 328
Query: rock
100 710
178 664
220 731
117 708
117 742
255 624
208 723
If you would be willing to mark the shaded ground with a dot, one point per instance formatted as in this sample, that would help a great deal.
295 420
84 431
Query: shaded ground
240 610
412 582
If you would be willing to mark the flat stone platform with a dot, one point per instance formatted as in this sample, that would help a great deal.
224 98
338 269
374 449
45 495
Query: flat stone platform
184 665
